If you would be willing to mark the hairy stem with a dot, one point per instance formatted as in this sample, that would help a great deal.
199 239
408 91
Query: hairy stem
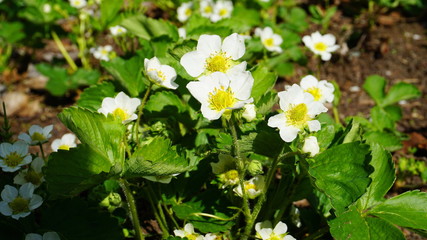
140 110
132 208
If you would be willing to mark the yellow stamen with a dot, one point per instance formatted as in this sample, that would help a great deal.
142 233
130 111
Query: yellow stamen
221 99
223 12
19 205
208 9
64 147
218 62
297 115
321 47
275 237
232 175
118 112
38 137
269 42
188 11
159 73
249 186
316 92
13 159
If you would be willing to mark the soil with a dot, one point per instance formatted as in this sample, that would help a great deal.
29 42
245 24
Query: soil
396 51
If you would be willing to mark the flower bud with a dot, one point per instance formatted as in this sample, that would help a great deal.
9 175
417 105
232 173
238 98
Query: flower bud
311 146
255 168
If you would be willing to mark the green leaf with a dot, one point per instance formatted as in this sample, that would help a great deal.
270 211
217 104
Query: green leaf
389 141
381 119
70 172
109 11
128 73
84 77
266 103
92 97
374 85
242 20
148 28
156 158
340 172
57 84
11 32
407 210
267 142
263 82
382 177
325 136
163 99
352 225
401 91
74 219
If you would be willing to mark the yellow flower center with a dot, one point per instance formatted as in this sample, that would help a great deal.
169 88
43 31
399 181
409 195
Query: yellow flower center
65 146
19 205
316 92
275 237
118 112
191 236
218 63
33 177
38 137
297 115
77 3
188 11
269 42
232 175
104 52
159 74
321 47
13 159
208 9
249 186
223 12
221 99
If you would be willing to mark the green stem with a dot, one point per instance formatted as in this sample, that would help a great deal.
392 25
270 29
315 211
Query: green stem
42 151
64 52
158 213
336 114
319 67
132 208
140 110
82 45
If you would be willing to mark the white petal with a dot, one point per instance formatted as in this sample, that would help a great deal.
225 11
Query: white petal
313 125
265 233
51 236
326 56
33 236
9 193
20 147
234 46
208 44
5 209
20 178
25 137
308 42
332 48
194 63
308 81
288 134
242 85
277 39
189 228
47 130
179 233
280 228
35 202
289 237
201 89
35 128
329 39
211 114
56 144
26 190
315 108
20 215
277 120
37 164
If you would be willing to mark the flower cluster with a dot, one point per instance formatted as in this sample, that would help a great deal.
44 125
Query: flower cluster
215 11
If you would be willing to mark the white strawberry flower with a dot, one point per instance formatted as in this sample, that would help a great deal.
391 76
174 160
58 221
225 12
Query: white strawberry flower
13 156
322 45
163 75
222 9
185 11
102 52
299 111
265 231
122 106
311 146
269 39
18 204
219 93
66 142
78 3
213 56
253 187
46 236
47 8
117 30
33 174
37 135
188 232
206 8
322 91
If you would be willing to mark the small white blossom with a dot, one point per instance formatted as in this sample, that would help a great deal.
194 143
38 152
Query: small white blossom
299 110
321 45
311 146
47 8
210 236
182 33
163 75
265 231
19 204
33 174
225 168
78 3
66 142
185 11
322 91
269 39
46 236
188 232
13 156
213 56
37 135
122 106
253 187
206 8
102 52
218 93
222 9
249 112
117 30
